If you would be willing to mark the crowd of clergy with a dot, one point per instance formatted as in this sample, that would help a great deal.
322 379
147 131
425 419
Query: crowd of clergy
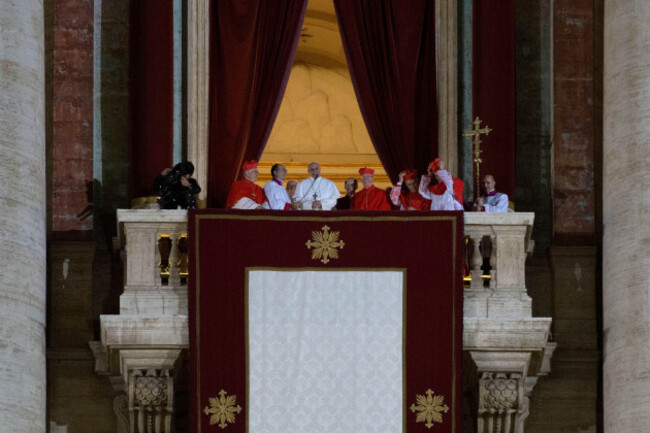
435 190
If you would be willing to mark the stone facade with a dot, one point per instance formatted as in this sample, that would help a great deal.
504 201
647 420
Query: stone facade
44 122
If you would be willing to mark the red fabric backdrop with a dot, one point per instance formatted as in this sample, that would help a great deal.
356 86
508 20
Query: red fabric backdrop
427 245
494 88
252 47
152 93
390 49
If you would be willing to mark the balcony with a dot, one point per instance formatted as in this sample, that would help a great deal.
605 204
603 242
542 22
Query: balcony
508 347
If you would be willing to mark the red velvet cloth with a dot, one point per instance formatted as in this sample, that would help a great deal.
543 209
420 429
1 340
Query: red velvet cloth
252 47
152 92
245 188
494 88
224 244
371 198
390 49
414 199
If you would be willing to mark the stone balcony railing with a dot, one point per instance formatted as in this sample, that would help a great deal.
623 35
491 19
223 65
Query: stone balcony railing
508 346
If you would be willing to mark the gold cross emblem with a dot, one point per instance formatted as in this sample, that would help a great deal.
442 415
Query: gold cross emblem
428 408
325 245
222 410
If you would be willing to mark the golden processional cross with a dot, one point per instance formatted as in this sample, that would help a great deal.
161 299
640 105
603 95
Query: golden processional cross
476 143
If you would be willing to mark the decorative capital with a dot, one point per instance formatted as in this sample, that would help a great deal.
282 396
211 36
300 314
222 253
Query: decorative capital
500 392
150 388
150 399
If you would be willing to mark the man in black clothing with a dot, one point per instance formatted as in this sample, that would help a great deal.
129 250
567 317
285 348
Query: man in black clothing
176 186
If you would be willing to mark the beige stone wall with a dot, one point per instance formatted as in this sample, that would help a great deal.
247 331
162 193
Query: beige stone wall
319 120
319 116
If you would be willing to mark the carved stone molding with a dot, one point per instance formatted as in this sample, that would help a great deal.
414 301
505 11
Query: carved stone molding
505 382
501 401
150 400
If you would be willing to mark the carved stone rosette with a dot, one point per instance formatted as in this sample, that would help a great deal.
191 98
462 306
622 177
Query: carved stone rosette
150 395
502 405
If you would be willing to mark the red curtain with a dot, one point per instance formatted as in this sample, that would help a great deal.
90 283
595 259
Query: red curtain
252 47
433 313
390 49
152 97
494 88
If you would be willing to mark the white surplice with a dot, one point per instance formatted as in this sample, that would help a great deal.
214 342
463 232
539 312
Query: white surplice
276 195
446 201
247 203
496 203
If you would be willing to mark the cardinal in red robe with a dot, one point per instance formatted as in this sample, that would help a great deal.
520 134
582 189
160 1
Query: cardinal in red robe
370 197
447 194
245 194
410 198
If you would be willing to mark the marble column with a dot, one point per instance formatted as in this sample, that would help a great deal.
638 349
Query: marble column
626 217
22 217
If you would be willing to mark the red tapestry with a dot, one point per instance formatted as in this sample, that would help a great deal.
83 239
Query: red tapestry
426 245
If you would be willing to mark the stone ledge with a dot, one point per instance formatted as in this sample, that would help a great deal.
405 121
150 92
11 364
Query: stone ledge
499 219
144 331
148 217
152 215
512 335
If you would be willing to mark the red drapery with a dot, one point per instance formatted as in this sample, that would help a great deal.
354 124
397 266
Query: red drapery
252 47
390 49
494 88
433 310
152 105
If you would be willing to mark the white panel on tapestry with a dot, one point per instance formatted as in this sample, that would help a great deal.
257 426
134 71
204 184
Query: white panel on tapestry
325 351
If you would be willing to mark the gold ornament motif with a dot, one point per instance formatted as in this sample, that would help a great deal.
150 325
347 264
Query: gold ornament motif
325 245
428 408
222 409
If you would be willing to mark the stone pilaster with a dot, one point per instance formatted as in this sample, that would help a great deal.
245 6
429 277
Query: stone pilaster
626 220
198 75
22 217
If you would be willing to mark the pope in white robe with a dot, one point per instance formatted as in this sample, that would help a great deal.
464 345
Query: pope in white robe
316 192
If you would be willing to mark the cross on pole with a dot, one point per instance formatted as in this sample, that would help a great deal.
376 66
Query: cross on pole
476 143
